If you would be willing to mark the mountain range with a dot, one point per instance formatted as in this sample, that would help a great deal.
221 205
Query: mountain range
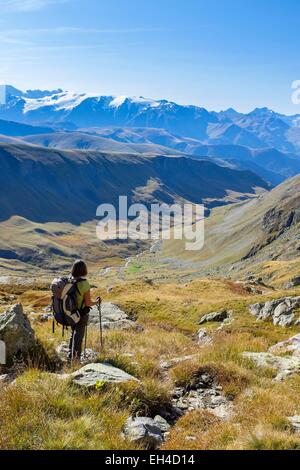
58 148
260 128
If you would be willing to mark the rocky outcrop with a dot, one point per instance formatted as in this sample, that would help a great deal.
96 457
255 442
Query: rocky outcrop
284 366
92 374
17 334
144 431
282 312
113 318
206 394
291 345
215 317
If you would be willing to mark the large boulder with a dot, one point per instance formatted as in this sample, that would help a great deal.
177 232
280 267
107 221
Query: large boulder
16 333
144 431
284 366
113 318
291 345
92 374
215 317
283 312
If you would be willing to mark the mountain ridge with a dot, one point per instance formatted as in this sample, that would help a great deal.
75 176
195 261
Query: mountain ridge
51 182
258 129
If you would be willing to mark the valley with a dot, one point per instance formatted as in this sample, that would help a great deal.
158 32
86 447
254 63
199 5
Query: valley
201 348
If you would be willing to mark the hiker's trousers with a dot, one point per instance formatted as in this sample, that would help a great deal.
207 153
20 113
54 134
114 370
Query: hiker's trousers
77 336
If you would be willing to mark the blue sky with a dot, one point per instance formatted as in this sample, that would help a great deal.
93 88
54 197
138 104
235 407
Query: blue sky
213 53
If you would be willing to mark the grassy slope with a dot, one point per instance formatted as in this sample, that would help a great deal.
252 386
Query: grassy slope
35 248
232 231
41 411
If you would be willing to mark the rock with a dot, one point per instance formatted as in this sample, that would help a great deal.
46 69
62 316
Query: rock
282 312
89 375
144 431
203 337
225 323
205 394
285 366
48 309
63 350
293 283
2 353
4 378
295 423
215 316
290 345
44 318
156 247
16 333
162 423
113 318
176 360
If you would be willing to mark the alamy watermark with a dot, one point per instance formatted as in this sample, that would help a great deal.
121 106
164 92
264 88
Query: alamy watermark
296 92
2 94
157 222
2 353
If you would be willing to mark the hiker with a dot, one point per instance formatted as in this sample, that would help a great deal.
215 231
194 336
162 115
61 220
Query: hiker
84 304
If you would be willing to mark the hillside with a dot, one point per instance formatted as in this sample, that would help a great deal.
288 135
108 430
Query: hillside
261 235
225 400
67 186
83 141
270 164
17 129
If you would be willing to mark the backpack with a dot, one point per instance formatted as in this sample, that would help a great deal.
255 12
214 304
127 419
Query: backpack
64 301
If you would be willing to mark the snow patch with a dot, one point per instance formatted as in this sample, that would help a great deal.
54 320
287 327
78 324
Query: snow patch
140 100
65 100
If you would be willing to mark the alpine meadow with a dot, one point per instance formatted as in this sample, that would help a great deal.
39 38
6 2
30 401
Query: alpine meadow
171 324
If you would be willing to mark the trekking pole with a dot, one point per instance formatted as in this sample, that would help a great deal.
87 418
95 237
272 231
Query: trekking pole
85 341
100 324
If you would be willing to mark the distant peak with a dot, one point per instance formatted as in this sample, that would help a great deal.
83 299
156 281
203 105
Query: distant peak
262 111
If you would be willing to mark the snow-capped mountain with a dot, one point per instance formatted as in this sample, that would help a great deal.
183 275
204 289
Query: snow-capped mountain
259 129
